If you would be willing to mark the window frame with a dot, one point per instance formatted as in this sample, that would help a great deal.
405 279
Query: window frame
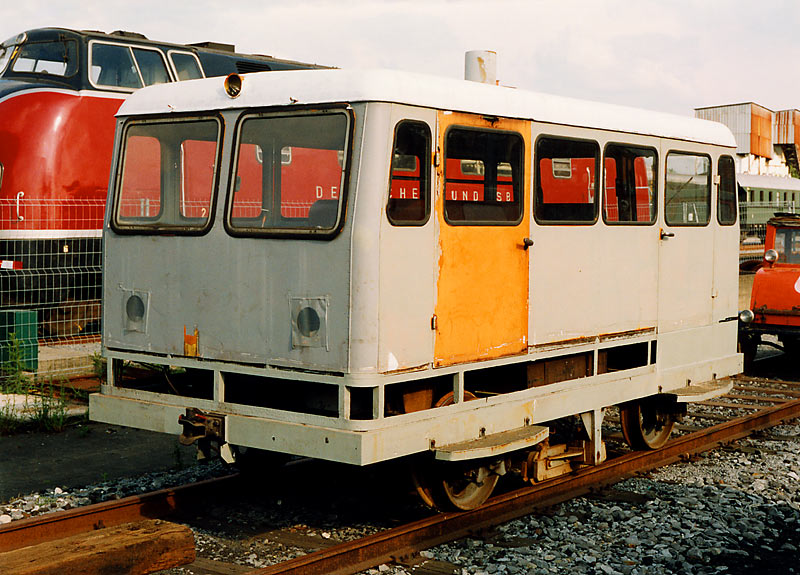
735 192
537 182
119 170
174 68
19 49
521 181
290 233
426 193
654 217
709 180
130 47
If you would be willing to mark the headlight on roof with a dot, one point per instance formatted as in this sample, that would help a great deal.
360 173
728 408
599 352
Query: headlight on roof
746 316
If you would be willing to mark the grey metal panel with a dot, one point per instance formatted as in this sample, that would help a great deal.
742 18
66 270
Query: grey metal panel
737 117
237 292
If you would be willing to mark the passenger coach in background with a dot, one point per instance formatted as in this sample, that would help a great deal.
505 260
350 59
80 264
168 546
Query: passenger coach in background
364 266
59 91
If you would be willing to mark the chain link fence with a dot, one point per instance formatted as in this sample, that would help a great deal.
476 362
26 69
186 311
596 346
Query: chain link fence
50 286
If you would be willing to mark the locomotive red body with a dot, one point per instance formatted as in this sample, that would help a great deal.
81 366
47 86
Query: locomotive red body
59 92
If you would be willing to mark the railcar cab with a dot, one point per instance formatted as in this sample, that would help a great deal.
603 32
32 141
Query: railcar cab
775 298
360 266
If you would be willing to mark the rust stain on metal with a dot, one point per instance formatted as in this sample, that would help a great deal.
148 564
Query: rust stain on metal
190 343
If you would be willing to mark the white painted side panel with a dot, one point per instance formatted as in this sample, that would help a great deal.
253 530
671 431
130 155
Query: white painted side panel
372 157
593 279
406 273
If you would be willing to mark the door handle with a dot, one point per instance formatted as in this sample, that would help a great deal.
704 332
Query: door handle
665 235
526 243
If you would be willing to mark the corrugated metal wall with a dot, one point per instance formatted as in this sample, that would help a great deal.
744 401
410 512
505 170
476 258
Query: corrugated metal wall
787 127
750 123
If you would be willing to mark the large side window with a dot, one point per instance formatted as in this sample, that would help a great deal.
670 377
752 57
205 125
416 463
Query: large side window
112 65
629 185
687 192
483 177
167 177
152 66
409 183
726 192
566 180
290 174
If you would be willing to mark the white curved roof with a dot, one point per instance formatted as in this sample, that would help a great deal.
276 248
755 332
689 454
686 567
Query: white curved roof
322 86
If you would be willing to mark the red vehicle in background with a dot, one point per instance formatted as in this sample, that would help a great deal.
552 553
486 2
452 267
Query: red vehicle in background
775 300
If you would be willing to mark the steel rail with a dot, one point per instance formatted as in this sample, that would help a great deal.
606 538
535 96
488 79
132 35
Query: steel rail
154 505
399 542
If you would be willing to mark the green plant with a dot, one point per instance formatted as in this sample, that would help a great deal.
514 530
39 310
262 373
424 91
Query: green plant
49 410
99 366
13 378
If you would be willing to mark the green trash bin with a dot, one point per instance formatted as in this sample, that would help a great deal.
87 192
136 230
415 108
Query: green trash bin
22 325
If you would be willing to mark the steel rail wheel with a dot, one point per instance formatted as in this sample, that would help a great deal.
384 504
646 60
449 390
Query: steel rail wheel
446 486
646 423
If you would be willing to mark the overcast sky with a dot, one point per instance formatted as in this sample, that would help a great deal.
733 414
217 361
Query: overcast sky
671 56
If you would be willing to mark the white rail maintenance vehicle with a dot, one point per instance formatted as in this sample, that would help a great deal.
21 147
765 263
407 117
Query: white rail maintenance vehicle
359 266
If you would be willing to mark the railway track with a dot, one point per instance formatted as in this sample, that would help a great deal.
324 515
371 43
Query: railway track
754 404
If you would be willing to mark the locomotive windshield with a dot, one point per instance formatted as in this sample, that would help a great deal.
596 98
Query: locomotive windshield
52 57
7 50
167 176
787 244
290 174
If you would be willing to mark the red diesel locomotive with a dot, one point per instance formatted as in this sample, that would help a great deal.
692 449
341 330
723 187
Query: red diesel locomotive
59 92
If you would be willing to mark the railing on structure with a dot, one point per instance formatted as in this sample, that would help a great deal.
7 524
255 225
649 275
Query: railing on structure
753 218
50 282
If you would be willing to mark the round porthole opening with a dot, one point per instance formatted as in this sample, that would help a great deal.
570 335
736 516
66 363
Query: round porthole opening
308 322
135 308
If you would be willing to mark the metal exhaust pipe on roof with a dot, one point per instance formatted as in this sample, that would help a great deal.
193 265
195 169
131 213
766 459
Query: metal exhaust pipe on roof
481 66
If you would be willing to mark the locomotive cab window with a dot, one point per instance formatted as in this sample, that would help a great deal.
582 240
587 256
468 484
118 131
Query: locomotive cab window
566 180
186 65
787 244
290 175
726 192
167 176
56 58
120 66
687 192
629 185
483 177
409 185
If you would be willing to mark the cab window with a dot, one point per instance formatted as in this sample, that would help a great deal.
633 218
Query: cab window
186 64
483 177
726 192
128 67
167 176
290 174
687 192
53 58
409 182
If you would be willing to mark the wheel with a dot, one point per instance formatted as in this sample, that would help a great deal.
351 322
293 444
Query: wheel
446 486
646 423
